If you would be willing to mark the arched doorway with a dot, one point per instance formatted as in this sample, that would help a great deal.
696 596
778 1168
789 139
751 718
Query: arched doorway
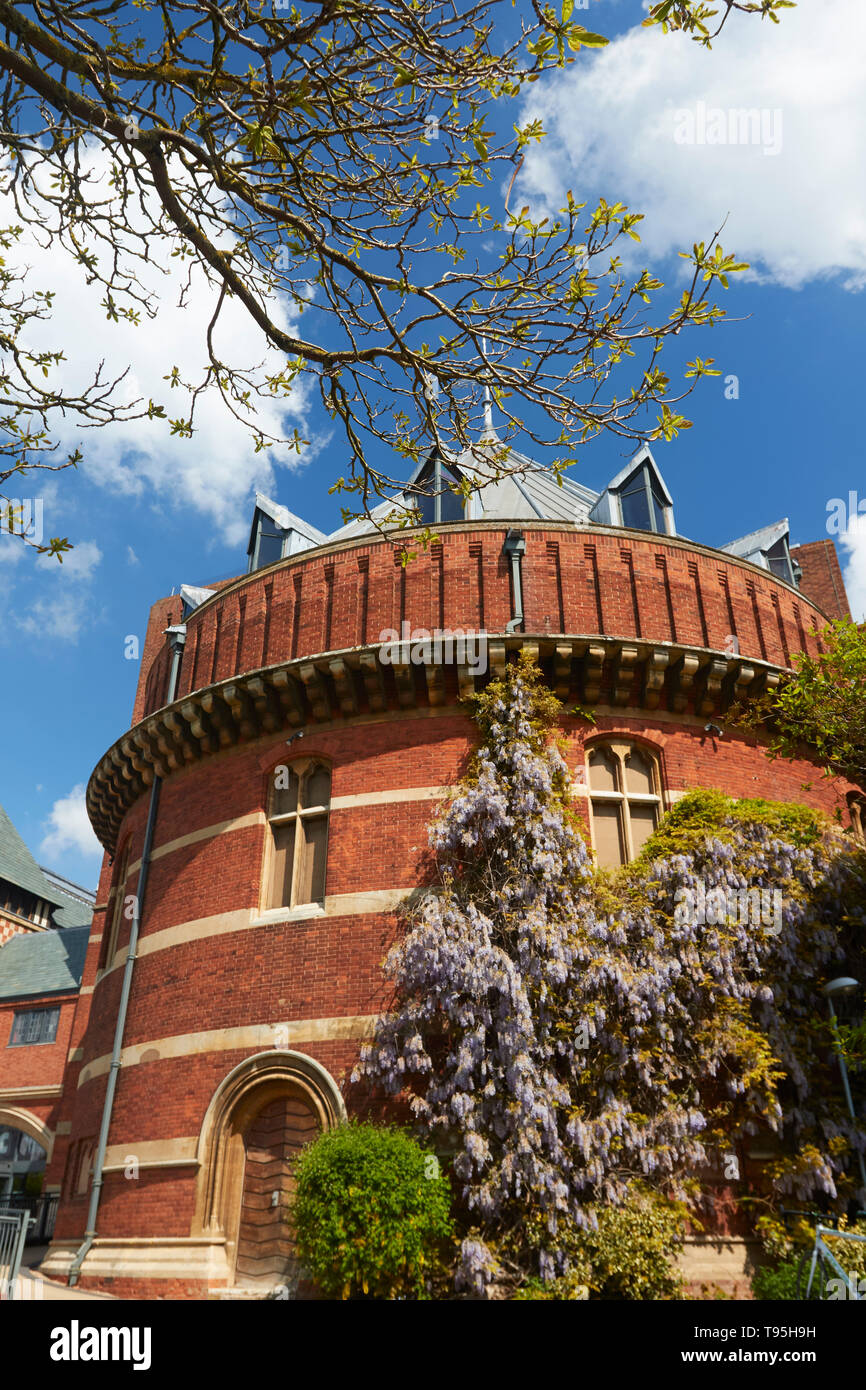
272 1141
25 1149
260 1118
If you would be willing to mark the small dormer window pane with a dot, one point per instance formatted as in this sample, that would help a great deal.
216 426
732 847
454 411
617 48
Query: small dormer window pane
659 505
270 546
642 503
451 508
777 559
634 500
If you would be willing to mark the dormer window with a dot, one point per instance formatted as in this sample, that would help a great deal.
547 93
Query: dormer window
779 561
433 485
642 504
636 498
276 533
269 542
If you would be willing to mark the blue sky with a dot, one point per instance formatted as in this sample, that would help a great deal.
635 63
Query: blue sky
147 513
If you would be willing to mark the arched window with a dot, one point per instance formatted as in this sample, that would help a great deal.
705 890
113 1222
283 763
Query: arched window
300 799
624 797
116 917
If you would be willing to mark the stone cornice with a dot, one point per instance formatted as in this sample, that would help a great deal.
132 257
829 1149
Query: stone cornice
333 687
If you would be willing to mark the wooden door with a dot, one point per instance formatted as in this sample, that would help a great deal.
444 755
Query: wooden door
275 1136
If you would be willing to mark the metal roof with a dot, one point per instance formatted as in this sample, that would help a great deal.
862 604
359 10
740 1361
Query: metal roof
286 520
525 492
761 540
46 962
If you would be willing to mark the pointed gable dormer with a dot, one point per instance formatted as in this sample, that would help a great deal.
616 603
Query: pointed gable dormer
770 549
637 498
276 532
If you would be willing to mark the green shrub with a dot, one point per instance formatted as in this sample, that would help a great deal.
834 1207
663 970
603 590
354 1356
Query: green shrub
632 1253
371 1213
776 1281
704 812
630 1256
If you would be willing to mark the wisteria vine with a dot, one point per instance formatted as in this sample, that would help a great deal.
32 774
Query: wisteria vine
567 1036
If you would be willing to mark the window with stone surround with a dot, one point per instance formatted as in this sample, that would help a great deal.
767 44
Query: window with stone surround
32 1026
625 799
117 905
300 800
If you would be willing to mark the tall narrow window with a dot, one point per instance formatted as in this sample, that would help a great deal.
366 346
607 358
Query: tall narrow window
117 906
642 503
298 817
625 800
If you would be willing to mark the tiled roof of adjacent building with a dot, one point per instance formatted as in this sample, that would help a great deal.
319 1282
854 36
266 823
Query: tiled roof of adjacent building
49 962
18 866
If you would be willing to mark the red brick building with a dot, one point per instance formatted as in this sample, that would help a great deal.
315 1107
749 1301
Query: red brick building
293 731
43 942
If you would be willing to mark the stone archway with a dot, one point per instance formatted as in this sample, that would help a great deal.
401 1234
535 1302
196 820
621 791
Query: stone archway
259 1118
17 1118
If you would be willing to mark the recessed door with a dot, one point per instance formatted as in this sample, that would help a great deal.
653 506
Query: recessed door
274 1138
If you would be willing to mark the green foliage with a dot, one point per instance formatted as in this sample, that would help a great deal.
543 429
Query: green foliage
705 812
630 1255
371 1213
822 705
776 1282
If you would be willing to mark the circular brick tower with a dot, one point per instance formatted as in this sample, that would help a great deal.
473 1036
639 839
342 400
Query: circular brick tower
314 726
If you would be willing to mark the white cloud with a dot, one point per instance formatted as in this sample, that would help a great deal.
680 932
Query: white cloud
854 571
68 827
131 557
63 604
797 214
212 472
76 564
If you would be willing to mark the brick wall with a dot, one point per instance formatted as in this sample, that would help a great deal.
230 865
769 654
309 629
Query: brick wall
230 973
822 577
579 581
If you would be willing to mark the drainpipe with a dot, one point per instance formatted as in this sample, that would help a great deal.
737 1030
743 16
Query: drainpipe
177 637
514 547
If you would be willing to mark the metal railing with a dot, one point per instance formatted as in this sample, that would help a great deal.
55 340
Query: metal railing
13 1233
42 1209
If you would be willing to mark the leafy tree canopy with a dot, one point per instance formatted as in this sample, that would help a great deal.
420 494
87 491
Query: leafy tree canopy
337 167
822 705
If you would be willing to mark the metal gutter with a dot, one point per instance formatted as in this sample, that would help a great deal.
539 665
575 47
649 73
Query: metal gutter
177 637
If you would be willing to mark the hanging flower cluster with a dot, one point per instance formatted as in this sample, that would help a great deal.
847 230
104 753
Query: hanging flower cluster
568 1036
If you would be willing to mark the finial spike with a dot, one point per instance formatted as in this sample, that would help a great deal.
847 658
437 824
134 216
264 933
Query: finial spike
488 403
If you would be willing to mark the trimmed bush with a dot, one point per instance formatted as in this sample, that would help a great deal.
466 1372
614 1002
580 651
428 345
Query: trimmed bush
371 1213
776 1282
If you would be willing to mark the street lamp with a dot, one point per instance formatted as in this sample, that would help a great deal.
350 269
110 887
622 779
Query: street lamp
839 989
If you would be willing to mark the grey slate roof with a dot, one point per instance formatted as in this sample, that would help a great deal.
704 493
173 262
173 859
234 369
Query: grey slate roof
45 962
18 866
527 492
